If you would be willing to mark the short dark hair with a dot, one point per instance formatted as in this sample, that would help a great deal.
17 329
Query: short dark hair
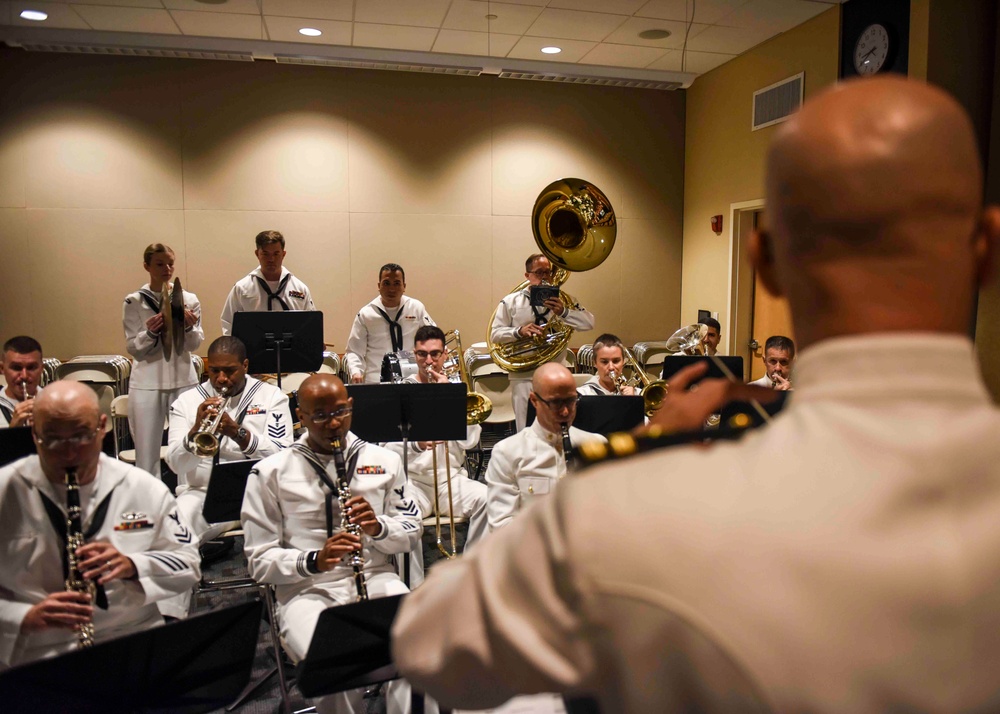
391 268
228 345
531 261
608 340
268 238
780 342
154 248
428 332
712 322
22 344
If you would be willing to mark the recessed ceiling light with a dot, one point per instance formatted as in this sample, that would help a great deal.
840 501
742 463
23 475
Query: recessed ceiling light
492 17
310 32
552 50
654 34
36 15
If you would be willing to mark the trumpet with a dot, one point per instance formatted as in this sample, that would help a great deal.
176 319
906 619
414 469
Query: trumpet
654 391
619 380
24 390
206 440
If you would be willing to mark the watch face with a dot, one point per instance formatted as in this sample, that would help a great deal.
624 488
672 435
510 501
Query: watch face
871 50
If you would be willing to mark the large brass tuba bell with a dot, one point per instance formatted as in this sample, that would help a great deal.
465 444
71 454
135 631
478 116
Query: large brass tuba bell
575 228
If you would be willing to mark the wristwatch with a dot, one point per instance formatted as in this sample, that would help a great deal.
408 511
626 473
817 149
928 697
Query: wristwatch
242 435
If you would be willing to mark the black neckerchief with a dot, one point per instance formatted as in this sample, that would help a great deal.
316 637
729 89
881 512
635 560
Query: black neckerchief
395 329
350 457
151 299
58 520
271 297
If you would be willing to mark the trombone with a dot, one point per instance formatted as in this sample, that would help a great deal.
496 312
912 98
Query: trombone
654 391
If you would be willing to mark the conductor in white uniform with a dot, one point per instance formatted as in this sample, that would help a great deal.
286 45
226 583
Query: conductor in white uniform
846 557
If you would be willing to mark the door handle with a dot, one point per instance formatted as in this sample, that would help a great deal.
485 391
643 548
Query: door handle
754 345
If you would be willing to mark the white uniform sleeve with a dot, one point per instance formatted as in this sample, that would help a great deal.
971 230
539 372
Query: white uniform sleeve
472 434
357 347
579 318
195 335
179 459
279 430
503 328
267 560
172 565
11 616
400 519
502 495
231 307
310 305
139 341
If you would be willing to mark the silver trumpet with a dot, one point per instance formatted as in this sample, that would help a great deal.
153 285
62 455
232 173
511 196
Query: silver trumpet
24 391
619 380
75 582
206 440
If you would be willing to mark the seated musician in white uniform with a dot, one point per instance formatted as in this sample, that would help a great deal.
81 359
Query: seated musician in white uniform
529 464
386 324
296 538
155 382
469 496
22 371
779 354
517 318
137 547
269 287
609 359
844 558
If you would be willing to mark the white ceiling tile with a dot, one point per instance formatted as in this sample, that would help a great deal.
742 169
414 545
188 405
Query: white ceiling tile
242 7
531 48
471 15
775 15
593 26
286 29
705 11
622 55
394 37
618 7
461 42
729 40
426 13
670 62
628 33
128 19
121 3
60 16
701 62
217 24
318 9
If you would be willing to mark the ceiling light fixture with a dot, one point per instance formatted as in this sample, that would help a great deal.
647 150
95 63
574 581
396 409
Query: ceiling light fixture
310 32
36 15
552 50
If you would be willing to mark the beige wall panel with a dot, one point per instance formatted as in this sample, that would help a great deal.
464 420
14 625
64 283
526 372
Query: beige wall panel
12 161
102 132
86 262
220 251
280 143
420 144
447 262
512 244
650 282
724 160
16 272
600 291
545 131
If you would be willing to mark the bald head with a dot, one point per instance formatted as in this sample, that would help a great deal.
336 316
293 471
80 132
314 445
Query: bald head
874 197
66 399
321 385
549 376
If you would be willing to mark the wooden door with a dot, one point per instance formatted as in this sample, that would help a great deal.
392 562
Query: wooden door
770 317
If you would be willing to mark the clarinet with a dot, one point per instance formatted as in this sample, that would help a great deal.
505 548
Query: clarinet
75 581
567 446
357 557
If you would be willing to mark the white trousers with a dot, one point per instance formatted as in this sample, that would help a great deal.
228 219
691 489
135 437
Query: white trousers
297 622
519 391
147 412
470 502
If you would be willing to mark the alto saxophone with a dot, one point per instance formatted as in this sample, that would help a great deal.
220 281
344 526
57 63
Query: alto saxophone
357 557
75 582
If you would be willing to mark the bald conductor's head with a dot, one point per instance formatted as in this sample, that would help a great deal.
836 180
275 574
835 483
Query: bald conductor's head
874 212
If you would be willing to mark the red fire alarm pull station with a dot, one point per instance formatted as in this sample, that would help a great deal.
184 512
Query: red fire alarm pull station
717 224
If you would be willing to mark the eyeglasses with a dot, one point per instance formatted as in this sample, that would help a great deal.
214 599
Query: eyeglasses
557 405
541 273
435 354
53 443
322 417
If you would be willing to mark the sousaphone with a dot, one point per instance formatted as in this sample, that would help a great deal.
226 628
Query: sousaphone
574 227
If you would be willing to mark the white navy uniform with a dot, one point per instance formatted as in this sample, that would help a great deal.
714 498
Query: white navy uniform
371 335
154 383
525 467
249 295
8 405
140 519
593 388
284 521
516 310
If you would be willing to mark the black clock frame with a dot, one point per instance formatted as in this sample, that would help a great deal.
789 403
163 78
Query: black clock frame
858 15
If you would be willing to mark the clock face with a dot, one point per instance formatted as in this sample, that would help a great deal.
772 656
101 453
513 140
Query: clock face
871 50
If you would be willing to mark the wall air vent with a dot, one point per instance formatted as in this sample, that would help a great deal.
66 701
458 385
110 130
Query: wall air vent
368 64
138 51
776 103
599 81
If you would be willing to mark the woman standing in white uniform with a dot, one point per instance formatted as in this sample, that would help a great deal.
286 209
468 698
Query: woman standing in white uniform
156 382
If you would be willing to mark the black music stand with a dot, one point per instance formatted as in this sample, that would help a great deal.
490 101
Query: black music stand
350 648
189 666
606 414
15 443
675 363
224 499
276 341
